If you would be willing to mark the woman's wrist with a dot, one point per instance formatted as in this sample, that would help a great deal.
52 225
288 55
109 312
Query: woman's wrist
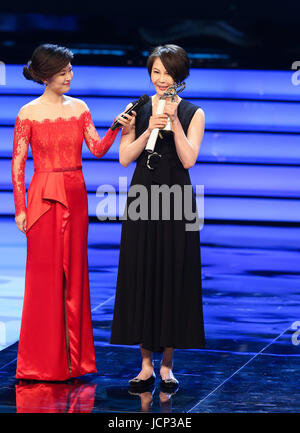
126 130
175 124
147 133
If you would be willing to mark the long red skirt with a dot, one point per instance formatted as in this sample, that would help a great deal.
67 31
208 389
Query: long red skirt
56 338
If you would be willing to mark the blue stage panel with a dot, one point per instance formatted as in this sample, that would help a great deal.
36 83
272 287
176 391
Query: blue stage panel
220 115
7 136
104 110
250 267
262 148
221 208
228 179
244 209
216 178
216 146
285 239
104 235
135 81
231 208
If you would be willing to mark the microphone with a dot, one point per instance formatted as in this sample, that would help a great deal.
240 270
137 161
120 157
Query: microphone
134 107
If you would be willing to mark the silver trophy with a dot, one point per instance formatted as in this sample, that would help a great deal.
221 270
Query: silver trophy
171 92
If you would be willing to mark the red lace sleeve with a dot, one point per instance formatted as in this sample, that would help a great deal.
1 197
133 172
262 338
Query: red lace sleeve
97 146
22 134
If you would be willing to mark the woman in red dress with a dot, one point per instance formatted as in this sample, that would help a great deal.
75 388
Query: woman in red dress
56 338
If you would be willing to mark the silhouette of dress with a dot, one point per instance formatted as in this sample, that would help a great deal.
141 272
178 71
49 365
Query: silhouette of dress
56 338
159 291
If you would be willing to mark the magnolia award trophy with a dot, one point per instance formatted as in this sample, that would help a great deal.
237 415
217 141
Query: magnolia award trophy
171 92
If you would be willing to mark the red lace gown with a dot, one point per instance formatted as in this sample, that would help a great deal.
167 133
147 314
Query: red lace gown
56 338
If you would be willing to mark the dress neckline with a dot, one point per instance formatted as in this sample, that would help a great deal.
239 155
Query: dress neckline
57 119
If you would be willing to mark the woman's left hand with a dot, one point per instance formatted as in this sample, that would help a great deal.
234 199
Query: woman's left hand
171 109
126 119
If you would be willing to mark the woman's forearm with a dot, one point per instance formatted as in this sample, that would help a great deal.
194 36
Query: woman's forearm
186 151
130 151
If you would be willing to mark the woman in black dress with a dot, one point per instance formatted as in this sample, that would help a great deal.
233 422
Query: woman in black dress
158 301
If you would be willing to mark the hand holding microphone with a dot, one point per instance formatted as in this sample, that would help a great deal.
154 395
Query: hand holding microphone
124 120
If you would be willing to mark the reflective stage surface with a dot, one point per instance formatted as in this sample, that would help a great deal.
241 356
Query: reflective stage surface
251 362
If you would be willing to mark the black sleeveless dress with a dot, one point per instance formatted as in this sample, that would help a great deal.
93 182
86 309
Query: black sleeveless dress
159 293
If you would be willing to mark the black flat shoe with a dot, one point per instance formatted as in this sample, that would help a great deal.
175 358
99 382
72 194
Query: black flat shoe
140 391
169 385
140 383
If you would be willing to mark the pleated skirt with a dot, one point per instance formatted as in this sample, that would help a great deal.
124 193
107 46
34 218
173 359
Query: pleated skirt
158 300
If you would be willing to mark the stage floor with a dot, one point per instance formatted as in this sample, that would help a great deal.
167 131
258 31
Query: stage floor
251 362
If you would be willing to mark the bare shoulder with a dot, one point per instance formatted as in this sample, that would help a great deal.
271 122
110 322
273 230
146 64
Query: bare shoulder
198 117
27 110
200 113
79 105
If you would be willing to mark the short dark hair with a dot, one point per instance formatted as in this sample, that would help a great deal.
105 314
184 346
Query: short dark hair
174 59
46 61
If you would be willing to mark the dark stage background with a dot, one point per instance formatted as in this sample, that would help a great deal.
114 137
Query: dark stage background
230 34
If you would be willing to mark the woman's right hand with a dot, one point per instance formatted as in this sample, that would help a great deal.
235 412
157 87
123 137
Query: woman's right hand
157 121
21 221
